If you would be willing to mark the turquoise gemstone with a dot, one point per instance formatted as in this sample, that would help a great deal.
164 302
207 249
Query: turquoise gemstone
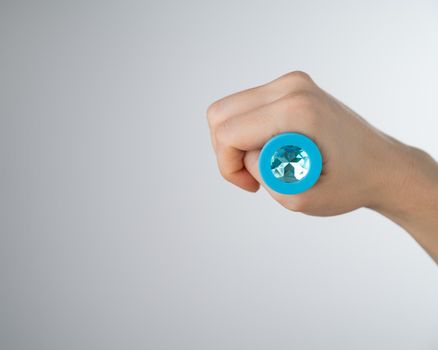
290 164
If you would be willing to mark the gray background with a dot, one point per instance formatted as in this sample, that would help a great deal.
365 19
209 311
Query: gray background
117 231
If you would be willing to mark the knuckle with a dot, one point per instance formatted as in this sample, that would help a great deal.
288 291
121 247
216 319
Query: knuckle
297 77
225 174
213 111
225 171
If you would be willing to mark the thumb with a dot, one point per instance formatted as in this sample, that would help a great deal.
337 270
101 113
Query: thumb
251 161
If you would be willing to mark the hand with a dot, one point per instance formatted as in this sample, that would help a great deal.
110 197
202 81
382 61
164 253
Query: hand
362 167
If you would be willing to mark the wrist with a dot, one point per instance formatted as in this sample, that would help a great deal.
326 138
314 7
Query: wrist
408 183
408 194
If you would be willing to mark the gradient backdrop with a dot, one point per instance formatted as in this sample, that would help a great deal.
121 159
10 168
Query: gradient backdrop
116 229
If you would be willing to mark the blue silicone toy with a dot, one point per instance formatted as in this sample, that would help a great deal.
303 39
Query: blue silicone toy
290 163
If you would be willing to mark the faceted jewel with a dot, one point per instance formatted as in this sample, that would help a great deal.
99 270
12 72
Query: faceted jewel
290 164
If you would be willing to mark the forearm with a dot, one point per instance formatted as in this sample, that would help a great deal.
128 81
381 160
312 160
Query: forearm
410 197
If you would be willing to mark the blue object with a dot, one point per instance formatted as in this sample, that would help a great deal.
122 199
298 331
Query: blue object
290 163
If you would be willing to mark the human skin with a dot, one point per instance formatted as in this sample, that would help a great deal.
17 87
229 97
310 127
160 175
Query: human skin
362 166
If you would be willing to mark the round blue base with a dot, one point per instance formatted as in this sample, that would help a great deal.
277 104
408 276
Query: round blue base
290 139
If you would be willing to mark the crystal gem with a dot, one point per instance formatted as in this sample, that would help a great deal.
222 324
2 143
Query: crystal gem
290 164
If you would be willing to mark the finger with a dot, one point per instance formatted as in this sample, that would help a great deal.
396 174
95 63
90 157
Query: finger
256 97
231 167
249 131
251 162
238 103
